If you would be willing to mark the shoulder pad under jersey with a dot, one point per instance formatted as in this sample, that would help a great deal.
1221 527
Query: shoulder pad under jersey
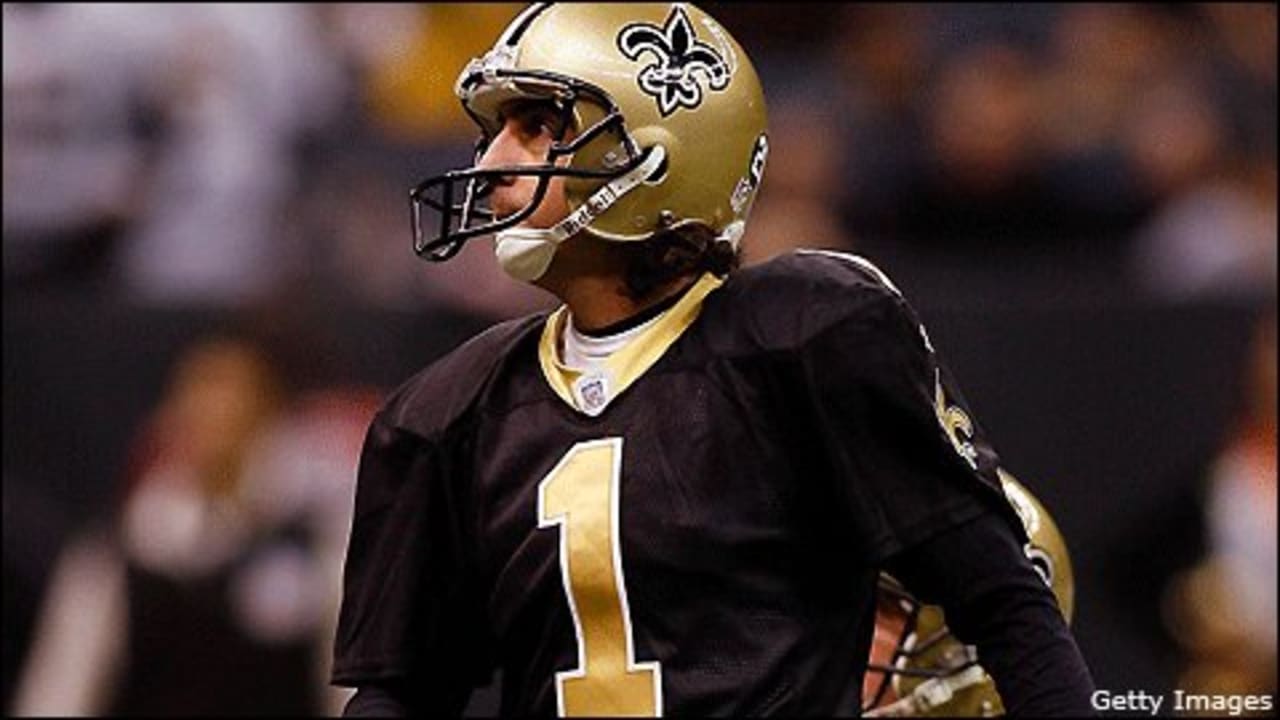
437 396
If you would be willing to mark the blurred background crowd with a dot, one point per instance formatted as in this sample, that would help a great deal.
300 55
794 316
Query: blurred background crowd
208 286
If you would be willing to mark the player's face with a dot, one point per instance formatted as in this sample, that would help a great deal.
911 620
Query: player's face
891 622
528 130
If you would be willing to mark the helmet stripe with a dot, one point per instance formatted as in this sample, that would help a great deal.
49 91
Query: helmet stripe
518 26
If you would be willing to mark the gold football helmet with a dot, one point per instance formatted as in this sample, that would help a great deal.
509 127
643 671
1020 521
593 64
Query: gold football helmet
917 668
663 125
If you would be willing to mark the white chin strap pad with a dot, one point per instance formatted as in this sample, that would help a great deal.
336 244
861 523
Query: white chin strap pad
526 253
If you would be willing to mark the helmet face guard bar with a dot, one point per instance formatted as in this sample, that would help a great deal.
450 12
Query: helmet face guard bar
460 197
909 645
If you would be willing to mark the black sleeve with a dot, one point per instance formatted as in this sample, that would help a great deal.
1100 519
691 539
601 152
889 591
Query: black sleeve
908 459
411 613
995 600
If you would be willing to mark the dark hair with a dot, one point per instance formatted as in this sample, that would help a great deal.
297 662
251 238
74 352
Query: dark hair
669 254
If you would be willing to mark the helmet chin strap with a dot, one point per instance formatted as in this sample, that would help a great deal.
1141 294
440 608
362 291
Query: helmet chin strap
525 253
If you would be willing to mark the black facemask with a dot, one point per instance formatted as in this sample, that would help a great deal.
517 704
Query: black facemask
460 197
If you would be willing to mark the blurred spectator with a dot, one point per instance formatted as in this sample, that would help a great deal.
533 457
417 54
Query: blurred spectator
1214 239
1174 135
150 150
244 85
1052 126
1244 44
1100 57
214 590
958 27
983 186
881 66
1100 54
1223 611
798 206
1210 178
79 125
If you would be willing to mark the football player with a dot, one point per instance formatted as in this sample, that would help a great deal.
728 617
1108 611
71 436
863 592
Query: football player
675 493
918 668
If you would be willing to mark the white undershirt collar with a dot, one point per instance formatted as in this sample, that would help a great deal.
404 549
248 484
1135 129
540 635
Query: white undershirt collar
584 352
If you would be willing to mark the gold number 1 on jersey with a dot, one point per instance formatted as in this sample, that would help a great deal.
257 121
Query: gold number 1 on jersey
581 495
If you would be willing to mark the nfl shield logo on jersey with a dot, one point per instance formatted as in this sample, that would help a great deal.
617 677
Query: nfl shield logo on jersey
593 393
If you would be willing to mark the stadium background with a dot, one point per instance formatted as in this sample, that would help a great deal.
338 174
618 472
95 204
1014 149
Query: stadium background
207 267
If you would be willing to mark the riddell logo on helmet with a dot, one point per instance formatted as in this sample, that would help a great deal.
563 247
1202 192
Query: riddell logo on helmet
681 59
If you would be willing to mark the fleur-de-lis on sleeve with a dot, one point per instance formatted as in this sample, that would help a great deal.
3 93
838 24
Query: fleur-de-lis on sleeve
956 423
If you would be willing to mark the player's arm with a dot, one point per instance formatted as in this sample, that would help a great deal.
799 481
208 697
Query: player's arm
918 481
907 458
411 633
994 599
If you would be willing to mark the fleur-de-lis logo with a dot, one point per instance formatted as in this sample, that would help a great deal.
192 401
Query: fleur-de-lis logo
955 422
680 55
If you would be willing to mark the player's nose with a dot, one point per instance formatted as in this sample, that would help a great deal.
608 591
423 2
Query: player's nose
504 150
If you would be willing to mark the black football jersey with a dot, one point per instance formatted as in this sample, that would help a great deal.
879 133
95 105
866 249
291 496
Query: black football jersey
695 528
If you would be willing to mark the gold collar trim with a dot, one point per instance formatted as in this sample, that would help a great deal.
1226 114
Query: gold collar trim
591 392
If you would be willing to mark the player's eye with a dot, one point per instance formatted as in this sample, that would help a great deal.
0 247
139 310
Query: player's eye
536 118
